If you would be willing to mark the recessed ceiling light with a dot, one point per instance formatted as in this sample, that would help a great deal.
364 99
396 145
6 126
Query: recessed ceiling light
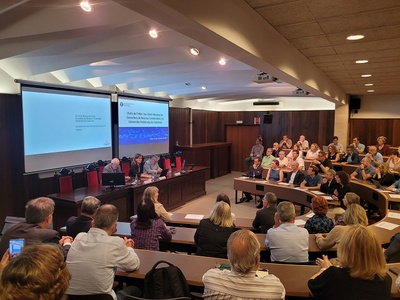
203 87
361 61
194 51
355 37
370 91
366 75
153 33
369 84
222 62
85 5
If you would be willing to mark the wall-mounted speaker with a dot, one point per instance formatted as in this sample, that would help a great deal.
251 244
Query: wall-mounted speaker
355 103
267 119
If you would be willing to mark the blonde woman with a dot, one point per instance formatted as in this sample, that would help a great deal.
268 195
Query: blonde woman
212 234
313 152
151 193
361 273
355 214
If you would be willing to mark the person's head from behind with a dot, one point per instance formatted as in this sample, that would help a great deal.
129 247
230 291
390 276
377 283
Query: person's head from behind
40 211
137 159
90 205
145 213
269 200
355 214
223 197
360 251
106 218
286 212
221 215
39 272
319 205
151 193
243 251
351 198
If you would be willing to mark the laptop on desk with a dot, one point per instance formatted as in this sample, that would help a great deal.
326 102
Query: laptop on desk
377 184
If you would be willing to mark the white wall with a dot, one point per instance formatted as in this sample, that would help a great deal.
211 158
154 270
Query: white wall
378 107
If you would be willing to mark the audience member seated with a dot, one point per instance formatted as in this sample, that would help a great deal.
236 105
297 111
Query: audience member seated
113 166
296 176
147 229
267 159
313 180
313 152
392 253
287 242
152 192
319 222
343 180
335 142
329 184
38 272
381 146
241 282
348 199
151 166
295 147
285 143
223 197
265 217
296 157
256 151
302 143
38 219
351 156
365 171
361 273
376 157
283 161
383 175
333 153
255 171
395 187
274 173
94 256
358 146
83 223
275 149
394 162
322 163
354 215
212 233
136 167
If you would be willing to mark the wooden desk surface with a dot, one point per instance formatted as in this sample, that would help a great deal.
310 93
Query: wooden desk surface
293 277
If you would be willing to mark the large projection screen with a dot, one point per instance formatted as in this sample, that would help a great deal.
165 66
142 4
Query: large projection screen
64 128
142 126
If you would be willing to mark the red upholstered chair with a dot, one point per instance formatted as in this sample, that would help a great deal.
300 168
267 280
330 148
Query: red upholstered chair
167 163
92 178
65 184
100 171
178 164
125 166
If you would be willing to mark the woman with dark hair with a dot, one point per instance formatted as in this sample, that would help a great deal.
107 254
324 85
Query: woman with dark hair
275 173
319 222
333 154
136 169
343 179
394 162
147 229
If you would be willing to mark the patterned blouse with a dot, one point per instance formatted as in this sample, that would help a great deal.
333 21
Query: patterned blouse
319 224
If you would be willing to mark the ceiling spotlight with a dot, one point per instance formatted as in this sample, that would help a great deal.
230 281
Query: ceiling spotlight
370 91
361 61
222 62
366 75
369 84
355 37
194 51
203 88
153 33
85 5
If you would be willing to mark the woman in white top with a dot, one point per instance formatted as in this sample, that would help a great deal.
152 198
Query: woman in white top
295 147
394 162
313 152
152 192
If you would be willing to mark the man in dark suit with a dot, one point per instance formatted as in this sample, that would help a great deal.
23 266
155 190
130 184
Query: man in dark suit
265 217
296 176
38 219
329 183
83 223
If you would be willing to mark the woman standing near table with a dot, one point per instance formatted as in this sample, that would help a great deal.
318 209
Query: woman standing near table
274 172
361 273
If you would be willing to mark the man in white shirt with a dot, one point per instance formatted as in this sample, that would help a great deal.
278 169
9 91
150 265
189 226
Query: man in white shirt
303 143
283 161
94 256
297 158
297 176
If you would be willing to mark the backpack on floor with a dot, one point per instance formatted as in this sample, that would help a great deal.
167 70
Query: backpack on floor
165 282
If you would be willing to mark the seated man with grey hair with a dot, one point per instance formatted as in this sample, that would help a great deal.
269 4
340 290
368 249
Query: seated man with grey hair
151 165
329 184
287 242
265 217
241 281
83 223
113 166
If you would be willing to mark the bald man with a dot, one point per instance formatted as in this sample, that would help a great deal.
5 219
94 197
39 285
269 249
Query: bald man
113 166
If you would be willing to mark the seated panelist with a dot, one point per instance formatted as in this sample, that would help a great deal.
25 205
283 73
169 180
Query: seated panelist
113 166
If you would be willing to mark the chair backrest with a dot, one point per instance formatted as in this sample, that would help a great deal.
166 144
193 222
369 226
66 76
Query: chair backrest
65 184
10 221
178 163
100 171
92 178
91 297
125 166
167 163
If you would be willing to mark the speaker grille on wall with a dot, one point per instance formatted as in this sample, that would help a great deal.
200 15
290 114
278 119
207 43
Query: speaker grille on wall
355 103
267 119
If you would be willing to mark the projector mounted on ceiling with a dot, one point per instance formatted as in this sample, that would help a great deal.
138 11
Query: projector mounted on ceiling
300 92
264 78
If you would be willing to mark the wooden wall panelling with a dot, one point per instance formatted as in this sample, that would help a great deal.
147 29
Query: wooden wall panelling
369 129
178 126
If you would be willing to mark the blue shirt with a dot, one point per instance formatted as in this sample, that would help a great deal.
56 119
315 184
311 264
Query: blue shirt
313 181
369 171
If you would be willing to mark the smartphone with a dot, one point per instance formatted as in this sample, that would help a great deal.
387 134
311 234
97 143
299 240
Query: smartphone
395 270
15 247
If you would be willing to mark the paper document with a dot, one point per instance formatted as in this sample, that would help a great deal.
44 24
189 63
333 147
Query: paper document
284 183
194 216
243 177
397 196
394 215
310 214
299 222
328 198
386 225
317 192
